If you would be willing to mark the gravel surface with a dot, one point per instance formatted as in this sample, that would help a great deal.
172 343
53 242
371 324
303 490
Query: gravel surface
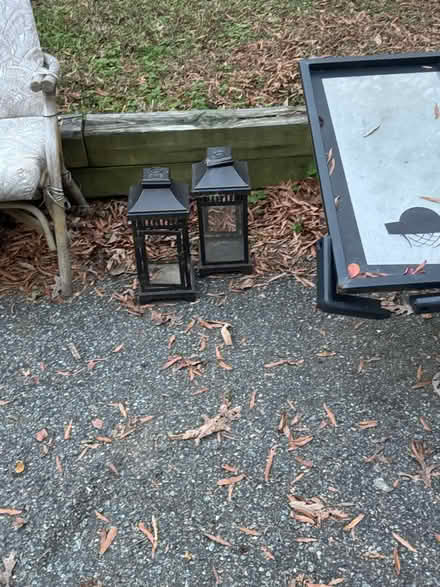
176 481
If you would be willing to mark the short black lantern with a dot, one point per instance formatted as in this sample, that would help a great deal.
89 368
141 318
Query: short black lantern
158 211
220 187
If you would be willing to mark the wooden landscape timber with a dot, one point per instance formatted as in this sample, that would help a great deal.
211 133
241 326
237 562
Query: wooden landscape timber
106 152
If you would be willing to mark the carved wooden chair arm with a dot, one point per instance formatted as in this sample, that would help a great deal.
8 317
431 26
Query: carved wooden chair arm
45 79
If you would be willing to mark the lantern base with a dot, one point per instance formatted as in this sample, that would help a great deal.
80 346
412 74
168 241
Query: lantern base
188 295
204 270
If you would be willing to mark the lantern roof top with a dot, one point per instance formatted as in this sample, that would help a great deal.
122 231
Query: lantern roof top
219 172
158 195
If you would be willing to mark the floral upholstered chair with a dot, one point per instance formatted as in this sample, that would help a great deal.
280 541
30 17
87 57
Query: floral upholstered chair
31 161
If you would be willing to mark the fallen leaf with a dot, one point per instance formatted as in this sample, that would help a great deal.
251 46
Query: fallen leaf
425 424
269 462
300 441
231 480
9 563
107 539
353 270
354 522
217 539
367 424
252 400
403 542
68 430
306 539
218 423
436 112
19 467
430 199
105 439
249 531
268 555
19 523
204 390
101 517
230 468
225 366
4 402
118 348
326 354
190 325
396 560
304 462
420 268
330 415
171 361
171 340
226 335
218 354
41 435
59 464
329 154
97 423
113 469
10 512
203 342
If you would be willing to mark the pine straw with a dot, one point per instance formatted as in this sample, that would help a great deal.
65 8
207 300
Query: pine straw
102 243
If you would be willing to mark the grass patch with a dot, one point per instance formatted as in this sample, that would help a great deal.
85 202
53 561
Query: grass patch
165 54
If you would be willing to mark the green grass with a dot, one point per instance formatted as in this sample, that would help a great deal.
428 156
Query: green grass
176 54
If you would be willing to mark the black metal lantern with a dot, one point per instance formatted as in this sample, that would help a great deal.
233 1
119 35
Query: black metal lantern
220 187
158 211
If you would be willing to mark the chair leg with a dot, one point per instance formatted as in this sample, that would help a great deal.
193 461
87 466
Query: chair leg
73 191
62 238
40 217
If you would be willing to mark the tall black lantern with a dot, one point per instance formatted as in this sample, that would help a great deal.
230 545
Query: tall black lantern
158 211
220 187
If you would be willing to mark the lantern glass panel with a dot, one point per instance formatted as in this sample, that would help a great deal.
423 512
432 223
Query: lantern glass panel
163 266
223 233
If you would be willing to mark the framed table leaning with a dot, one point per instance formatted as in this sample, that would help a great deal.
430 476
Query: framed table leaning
375 124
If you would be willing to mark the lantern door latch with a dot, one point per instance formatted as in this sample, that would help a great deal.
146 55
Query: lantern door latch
328 300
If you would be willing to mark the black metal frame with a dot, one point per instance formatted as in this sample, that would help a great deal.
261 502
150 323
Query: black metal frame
341 213
223 199
173 224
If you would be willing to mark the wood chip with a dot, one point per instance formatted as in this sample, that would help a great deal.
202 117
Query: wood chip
269 463
249 531
354 522
403 542
217 539
107 539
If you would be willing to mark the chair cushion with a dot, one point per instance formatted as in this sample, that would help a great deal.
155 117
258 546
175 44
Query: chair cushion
22 157
20 57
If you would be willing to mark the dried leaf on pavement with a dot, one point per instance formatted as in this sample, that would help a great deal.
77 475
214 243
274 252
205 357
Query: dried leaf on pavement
249 531
41 435
403 542
364 424
396 560
97 423
118 348
284 362
219 423
231 480
330 415
269 462
354 522
230 468
59 464
171 361
171 340
9 563
226 335
300 441
107 539
217 539
305 539
268 555
10 512
252 400
101 517
68 430
314 511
